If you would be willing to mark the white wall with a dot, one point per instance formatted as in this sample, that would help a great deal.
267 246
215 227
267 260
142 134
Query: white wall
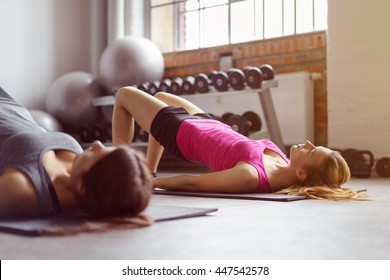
43 39
358 68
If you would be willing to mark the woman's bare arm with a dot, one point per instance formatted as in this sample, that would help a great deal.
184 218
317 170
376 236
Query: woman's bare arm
242 178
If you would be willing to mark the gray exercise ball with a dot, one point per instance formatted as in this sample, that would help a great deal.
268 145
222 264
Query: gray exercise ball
130 60
69 99
46 121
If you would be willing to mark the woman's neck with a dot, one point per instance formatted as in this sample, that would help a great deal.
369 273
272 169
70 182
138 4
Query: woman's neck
279 172
281 177
58 165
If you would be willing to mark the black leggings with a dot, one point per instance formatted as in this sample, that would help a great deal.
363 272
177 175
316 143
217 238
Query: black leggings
166 124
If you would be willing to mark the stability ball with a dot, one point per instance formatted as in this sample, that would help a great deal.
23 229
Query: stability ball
46 121
69 99
130 60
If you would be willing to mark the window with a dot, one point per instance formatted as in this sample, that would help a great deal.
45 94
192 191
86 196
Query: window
183 25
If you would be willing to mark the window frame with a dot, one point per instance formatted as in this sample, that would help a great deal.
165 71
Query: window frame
177 29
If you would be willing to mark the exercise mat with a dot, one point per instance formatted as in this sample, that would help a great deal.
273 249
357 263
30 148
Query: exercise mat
248 196
57 226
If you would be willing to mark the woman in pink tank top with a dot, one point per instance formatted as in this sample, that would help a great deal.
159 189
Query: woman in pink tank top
238 164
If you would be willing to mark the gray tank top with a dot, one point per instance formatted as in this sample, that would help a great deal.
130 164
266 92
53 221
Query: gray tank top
22 145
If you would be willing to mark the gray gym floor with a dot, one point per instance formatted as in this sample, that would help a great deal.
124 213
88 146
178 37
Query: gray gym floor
240 229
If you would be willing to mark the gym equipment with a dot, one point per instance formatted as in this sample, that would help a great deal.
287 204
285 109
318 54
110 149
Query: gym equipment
253 121
220 81
99 132
268 71
188 85
226 116
236 78
212 74
130 60
165 85
46 121
202 83
77 224
253 77
154 87
245 124
176 86
144 87
247 196
269 113
69 100
238 124
360 162
382 167
347 153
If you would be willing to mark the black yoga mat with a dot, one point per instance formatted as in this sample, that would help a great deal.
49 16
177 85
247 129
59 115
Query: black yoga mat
55 225
248 196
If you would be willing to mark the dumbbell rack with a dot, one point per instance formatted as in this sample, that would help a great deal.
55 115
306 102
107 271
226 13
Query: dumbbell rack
265 99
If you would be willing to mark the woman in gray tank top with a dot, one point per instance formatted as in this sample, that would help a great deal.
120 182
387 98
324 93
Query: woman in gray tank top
47 173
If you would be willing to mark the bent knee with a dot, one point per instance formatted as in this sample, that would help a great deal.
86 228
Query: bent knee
125 92
163 96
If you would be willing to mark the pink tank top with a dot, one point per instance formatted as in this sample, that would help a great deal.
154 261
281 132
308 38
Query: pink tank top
218 147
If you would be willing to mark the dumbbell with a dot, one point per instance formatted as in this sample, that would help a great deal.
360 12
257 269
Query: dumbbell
154 87
202 83
212 74
245 123
382 167
176 86
99 132
236 78
253 76
268 71
220 81
253 120
165 85
238 124
226 116
361 163
144 87
188 85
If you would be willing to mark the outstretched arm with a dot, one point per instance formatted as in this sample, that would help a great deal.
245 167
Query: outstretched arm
242 178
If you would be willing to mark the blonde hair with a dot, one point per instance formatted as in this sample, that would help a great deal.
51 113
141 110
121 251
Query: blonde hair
324 181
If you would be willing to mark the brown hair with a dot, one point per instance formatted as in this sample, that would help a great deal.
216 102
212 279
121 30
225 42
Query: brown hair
325 181
117 185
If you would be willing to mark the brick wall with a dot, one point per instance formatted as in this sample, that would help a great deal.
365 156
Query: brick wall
304 52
